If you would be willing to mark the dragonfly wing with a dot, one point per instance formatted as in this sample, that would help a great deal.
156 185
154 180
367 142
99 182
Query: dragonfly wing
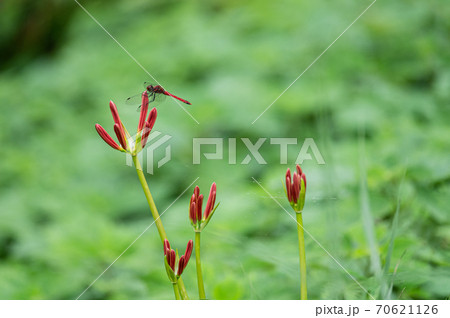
134 100
159 98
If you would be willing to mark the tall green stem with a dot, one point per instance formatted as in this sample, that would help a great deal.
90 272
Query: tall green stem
176 291
148 195
183 291
301 248
201 287
162 233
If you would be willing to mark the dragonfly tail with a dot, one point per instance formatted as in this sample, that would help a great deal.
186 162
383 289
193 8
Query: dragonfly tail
176 97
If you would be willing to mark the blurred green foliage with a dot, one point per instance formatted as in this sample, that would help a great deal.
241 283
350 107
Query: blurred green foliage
376 104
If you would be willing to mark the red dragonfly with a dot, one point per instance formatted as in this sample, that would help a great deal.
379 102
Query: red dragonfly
155 93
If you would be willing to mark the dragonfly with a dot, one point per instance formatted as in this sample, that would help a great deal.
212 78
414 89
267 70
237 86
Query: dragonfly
155 93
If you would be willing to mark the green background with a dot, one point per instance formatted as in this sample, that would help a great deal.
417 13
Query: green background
376 104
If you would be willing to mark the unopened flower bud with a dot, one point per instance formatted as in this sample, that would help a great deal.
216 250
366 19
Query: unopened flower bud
296 188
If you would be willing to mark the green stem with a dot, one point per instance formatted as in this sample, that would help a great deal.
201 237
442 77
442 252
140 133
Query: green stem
301 248
201 287
148 195
176 291
183 291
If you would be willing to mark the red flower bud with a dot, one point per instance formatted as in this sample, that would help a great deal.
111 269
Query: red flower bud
288 185
166 246
211 200
144 128
195 207
299 170
295 186
181 265
301 174
304 179
152 118
120 137
171 259
114 112
192 212
199 206
106 137
145 134
144 109
196 191
148 126
294 191
189 247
